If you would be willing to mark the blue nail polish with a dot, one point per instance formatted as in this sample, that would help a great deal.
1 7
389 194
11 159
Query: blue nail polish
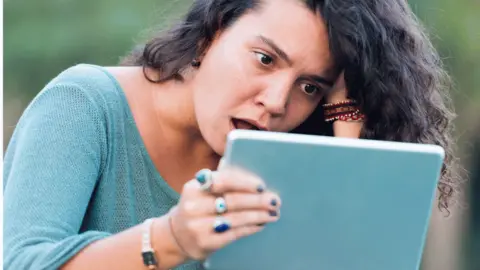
273 202
260 189
273 213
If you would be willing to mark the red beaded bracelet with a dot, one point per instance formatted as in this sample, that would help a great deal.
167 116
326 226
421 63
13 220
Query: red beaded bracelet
347 102
346 110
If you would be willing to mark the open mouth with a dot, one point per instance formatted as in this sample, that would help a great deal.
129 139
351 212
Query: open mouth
242 124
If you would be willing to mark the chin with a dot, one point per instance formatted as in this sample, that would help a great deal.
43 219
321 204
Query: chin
219 146
215 137
216 142
220 152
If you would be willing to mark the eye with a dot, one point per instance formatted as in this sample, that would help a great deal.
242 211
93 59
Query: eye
310 89
264 59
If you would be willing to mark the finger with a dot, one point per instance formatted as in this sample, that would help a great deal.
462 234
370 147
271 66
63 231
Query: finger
241 224
192 188
243 218
237 201
236 180
218 241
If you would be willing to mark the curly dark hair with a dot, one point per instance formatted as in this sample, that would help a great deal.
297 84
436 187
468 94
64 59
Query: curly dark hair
391 68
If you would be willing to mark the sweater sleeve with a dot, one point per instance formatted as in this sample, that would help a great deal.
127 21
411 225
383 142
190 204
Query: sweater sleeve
50 171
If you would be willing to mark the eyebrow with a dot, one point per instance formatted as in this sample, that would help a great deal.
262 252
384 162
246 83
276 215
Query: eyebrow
275 47
282 54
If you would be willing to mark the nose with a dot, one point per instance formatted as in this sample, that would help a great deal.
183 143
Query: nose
275 97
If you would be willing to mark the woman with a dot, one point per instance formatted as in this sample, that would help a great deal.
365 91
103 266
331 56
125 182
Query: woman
101 150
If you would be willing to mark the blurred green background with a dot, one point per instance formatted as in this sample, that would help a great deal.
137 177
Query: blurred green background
43 38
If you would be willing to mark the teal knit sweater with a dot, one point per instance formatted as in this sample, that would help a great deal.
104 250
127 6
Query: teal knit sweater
76 171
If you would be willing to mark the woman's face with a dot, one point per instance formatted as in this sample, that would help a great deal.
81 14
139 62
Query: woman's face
269 70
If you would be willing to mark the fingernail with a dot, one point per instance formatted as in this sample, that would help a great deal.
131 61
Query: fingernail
260 189
261 224
273 213
274 202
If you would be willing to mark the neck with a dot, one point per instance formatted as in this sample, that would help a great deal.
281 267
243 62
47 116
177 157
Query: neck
175 117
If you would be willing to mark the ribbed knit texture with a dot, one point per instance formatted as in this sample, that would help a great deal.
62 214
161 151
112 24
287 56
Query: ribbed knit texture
76 171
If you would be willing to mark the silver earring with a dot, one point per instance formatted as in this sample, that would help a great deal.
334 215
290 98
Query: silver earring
195 63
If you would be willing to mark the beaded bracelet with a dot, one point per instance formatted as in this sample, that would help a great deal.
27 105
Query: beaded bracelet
351 117
347 102
346 110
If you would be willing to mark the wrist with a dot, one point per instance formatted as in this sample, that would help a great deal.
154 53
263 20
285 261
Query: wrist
168 252
346 110
337 95
336 99
347 129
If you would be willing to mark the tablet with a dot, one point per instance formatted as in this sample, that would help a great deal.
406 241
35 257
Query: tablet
347 204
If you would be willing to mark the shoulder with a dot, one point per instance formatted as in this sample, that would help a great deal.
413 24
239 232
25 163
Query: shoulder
81 90
87 91
99 86
91 80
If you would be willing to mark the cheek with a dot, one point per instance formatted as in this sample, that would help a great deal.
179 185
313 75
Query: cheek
221 86
222 66
298 110
225 78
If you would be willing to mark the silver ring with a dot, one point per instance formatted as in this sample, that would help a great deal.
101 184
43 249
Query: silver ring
221 225
220 205
205 178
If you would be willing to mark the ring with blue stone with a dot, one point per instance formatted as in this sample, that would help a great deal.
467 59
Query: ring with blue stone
221 225
205 178
220 205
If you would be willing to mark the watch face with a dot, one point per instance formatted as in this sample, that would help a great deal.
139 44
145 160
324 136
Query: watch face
149 259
